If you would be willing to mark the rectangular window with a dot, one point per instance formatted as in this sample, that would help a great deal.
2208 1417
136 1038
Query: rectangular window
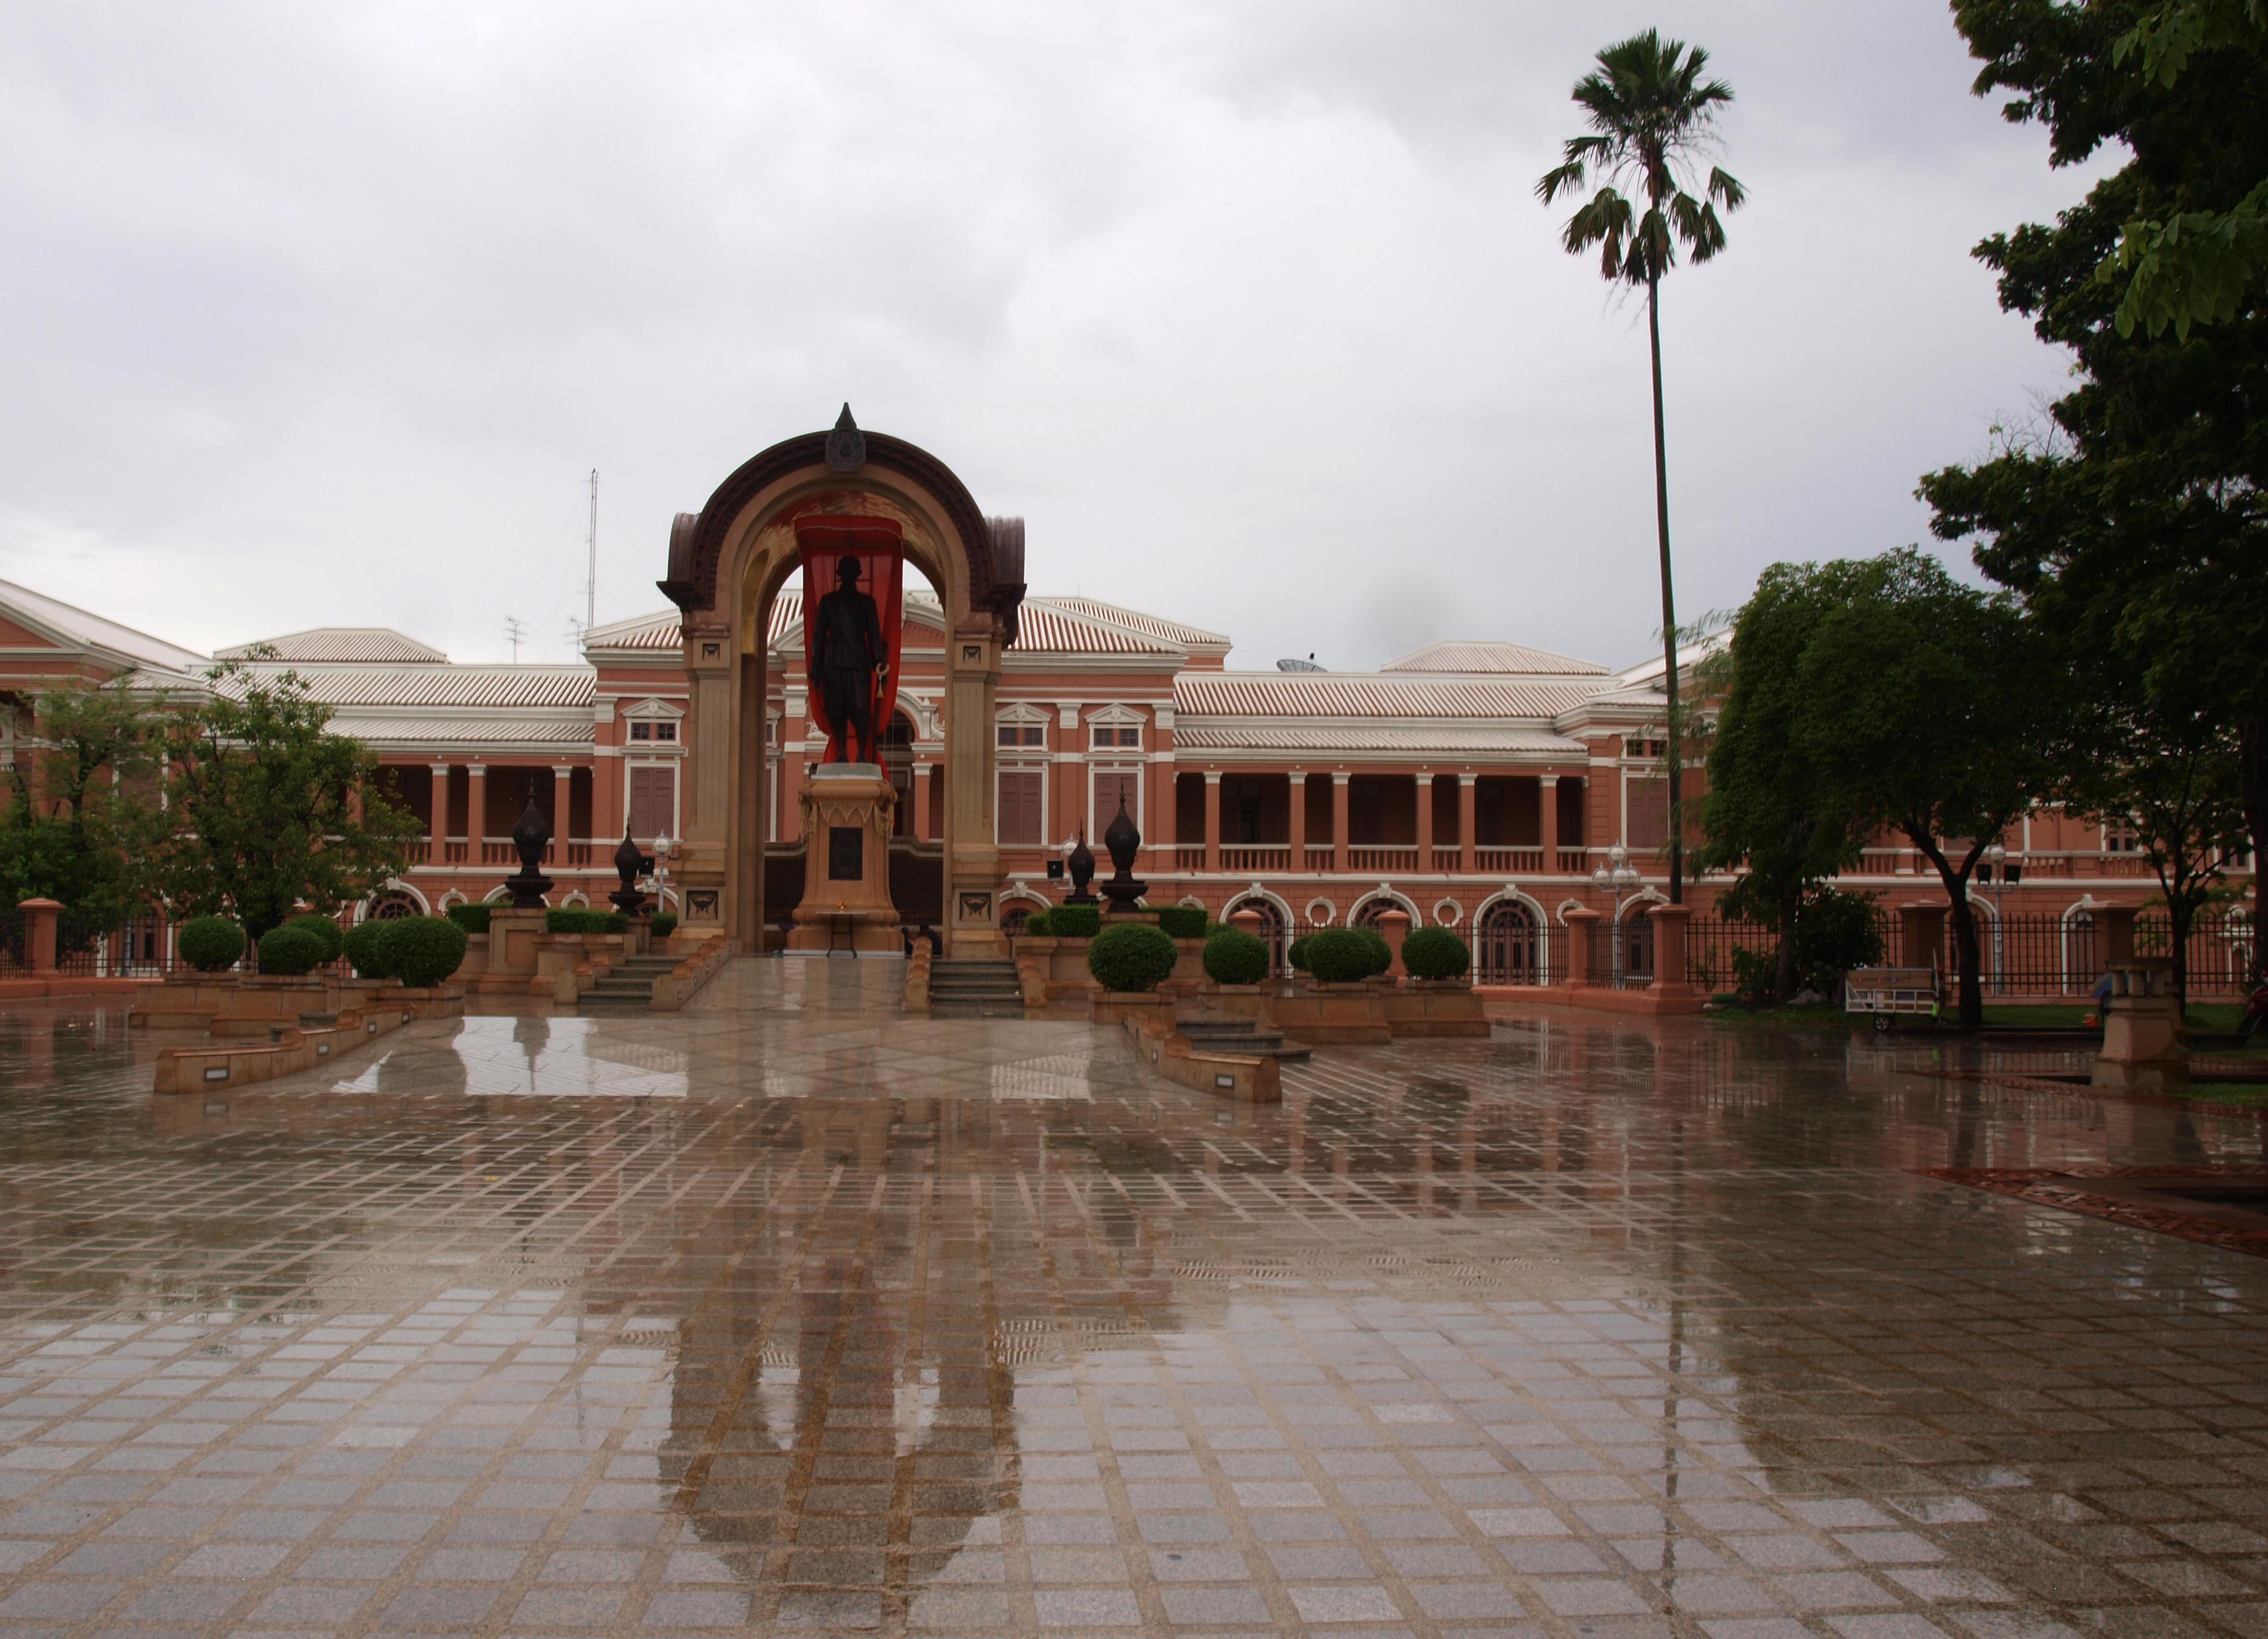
1034 735
1109 787
653 803
1017 818
642 731
2120 837
664 730
1008 734
1107 737
1649 813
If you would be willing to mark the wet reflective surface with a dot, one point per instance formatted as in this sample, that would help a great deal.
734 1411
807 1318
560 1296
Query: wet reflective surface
788 1314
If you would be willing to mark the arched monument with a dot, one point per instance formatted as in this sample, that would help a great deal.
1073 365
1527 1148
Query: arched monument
726 564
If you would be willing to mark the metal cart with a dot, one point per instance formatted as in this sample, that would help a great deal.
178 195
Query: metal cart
1886 992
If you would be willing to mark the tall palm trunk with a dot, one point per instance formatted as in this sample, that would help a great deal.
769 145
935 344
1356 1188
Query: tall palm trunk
1669 605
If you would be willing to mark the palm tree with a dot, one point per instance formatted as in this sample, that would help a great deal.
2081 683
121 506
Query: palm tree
1652 119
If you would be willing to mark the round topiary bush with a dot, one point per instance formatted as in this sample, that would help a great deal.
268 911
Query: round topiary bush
1181 922
324 931
662 923
1132 956
423 951
1298 954
1075 922
1338 955
289 952
1233 956
1381 954
211 945
365 948
1436 954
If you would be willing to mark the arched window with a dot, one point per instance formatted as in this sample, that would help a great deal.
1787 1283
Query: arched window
1014 918
1506 948
393 905
1272 930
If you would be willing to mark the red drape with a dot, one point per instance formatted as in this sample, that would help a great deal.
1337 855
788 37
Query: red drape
878 546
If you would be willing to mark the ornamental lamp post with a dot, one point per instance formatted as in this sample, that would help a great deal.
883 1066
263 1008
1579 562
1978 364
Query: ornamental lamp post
1619 877
1996 872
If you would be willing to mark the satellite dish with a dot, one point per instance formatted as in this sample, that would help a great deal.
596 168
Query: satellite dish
1307 664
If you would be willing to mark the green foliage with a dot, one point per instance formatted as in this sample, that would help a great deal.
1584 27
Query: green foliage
423 951
211 945
1340 956
471 918
1298 954
1038 926
324 931
662 923
268 808
76 817
584 919
1131 956
1381 953
1436 954
1233 956
2134 524
1835 931
290 952
1075 922
1182 922
366 949
1652 118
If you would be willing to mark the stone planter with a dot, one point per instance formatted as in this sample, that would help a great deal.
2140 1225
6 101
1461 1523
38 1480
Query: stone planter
440 1001
186 1001
1436 1007
1151 1010
1334 1015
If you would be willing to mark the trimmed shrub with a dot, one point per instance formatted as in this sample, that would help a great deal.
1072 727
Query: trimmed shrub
583 919
471 918
211 945
1338 955
1038 926
1181 922
423 951
1075 922
1298 954
1436 954
1381 954
366 949
662 923
324 931
1233 956
289 952
1132 956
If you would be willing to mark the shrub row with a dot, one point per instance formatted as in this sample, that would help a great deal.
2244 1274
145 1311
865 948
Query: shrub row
662 923
419 951
583 919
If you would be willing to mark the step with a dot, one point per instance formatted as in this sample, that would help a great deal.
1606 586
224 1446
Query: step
1241 1038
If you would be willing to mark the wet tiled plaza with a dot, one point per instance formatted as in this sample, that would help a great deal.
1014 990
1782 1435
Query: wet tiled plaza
787 1314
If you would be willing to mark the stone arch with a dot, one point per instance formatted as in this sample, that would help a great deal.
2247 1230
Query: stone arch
1383 894
1275 923
727 563
1545 922
1512 939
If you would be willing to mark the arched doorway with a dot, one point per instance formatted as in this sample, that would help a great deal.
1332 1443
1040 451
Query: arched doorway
1638 947
1508 946
1272 930
728 563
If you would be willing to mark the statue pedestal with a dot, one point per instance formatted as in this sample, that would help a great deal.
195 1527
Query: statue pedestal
2145 1042
848 811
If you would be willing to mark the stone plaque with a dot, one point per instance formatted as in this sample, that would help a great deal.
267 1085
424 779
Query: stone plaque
846 853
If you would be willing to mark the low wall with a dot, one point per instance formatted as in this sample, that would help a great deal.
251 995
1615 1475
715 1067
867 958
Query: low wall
288 1050
682 983
1244 1080
1652 1002
65 984
1436 1008
1333 1015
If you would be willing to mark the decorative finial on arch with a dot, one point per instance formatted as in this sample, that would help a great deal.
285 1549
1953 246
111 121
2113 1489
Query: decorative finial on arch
846 445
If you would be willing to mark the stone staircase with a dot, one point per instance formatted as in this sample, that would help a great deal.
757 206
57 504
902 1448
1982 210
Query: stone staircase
1241 1038
961 987
628 989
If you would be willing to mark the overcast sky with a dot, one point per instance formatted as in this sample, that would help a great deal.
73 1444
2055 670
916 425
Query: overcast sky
320 314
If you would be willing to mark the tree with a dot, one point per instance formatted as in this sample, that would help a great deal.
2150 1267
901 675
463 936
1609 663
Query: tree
1652 119
1765 808
2197 263
1932 709
268 810
2133 526
2174 778
76 817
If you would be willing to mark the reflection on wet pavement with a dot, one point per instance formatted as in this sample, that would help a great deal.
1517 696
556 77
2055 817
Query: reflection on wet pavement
790 1314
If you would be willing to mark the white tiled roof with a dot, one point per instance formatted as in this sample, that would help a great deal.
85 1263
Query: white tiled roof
1516 658
75 625
1351 696
483 685
659 630
1149 625
1321 736
497 730
344 645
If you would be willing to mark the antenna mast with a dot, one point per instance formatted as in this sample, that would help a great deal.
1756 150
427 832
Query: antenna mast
591 586
514 630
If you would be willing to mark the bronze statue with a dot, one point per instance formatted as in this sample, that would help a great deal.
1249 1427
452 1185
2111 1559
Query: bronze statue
848 659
